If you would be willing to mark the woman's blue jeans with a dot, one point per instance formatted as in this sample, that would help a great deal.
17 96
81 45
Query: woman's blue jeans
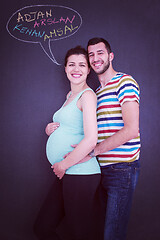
118 184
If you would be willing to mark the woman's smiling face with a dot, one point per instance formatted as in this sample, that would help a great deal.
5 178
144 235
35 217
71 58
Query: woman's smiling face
77 68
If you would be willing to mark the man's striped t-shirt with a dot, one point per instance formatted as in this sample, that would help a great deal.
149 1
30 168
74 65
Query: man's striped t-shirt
121 88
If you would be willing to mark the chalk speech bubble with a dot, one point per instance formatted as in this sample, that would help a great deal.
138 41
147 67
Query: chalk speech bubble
43 24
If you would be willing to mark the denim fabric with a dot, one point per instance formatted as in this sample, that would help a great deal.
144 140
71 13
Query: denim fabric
118 185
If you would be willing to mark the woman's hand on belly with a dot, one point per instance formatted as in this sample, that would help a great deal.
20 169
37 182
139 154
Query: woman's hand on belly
59 169
51 127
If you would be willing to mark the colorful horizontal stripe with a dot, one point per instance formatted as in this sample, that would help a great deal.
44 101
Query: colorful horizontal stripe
118 90
110 125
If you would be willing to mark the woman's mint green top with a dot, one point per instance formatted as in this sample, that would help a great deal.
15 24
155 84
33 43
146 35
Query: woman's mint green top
69 132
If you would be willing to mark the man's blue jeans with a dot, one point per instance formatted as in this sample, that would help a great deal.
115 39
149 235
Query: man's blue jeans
118 185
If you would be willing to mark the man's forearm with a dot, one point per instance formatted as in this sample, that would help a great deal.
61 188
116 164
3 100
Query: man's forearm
116 140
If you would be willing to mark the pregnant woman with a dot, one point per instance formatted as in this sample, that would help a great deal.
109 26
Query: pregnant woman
69 210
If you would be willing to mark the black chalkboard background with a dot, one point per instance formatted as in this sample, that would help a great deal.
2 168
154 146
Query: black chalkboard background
33 87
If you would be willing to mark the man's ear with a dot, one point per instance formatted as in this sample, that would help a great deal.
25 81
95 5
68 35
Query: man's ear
111 56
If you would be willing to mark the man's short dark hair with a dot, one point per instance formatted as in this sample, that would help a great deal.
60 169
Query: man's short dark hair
94 41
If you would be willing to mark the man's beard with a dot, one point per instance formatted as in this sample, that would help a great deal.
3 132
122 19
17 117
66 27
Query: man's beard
104 69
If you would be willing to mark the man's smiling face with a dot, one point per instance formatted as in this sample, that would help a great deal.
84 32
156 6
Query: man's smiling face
98 58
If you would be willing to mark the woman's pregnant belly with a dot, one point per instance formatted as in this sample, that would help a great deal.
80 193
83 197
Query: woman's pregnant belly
59 143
